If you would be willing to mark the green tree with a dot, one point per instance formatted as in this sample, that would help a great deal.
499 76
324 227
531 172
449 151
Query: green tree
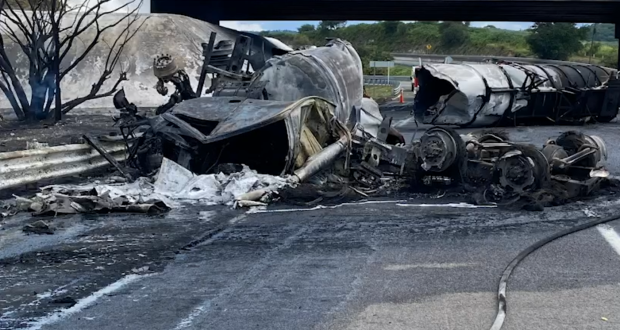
593 48
555 41
306 28
390 27
331 25
601 32
301 40
453 34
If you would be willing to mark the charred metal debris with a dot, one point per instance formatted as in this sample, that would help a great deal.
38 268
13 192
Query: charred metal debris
302 114
482 95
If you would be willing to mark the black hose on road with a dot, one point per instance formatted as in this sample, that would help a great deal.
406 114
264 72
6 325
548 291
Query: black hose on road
501 292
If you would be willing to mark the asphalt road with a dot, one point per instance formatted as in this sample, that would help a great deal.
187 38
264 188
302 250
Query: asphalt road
386 264
363 266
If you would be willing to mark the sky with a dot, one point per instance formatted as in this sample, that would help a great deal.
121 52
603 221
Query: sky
113 4
293 25
289 25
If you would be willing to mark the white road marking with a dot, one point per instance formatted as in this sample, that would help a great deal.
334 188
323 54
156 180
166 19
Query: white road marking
456 205
396 202
206 216
448 265
85 302
610 236
236 219
319 207
188 321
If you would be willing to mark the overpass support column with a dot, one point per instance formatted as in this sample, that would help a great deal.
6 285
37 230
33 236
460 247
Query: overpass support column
205 10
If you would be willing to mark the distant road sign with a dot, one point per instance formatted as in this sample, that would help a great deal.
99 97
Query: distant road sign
381 64
429 47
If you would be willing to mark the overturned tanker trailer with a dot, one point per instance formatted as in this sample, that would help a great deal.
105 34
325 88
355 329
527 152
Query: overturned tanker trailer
478 95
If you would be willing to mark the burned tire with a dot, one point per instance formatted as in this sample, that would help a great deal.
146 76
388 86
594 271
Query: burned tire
572 142
442 153
514 172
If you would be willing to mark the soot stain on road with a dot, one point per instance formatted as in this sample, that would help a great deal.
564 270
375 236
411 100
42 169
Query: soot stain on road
113 246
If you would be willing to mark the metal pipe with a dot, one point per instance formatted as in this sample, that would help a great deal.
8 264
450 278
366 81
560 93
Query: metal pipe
321 160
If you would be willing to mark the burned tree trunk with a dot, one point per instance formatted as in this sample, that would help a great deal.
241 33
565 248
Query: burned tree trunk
47 33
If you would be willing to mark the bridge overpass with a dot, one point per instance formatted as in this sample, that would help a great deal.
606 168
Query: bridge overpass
214 11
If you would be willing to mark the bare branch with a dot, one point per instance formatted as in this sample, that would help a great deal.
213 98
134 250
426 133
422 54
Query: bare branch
51 90
127 37
99 32
68 106
16 20
45 43
115 52
8 92
79 29
8 74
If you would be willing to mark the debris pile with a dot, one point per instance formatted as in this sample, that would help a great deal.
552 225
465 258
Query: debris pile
172 186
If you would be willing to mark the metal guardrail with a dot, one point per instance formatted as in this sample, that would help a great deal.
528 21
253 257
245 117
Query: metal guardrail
28 166
383 82
434 58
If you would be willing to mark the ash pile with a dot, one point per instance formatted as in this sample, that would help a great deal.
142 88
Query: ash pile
295 126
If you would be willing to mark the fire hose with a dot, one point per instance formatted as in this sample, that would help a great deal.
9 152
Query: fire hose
503 282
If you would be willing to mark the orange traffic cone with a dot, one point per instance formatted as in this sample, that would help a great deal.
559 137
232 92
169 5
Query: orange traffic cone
402 97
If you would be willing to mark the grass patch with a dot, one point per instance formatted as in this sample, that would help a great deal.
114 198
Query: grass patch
397 70
379 93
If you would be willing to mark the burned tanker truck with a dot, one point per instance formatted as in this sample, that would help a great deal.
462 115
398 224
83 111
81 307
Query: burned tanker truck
482 95
298 113
293 113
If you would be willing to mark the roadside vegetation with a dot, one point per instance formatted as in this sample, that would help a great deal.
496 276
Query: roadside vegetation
558 41
379 93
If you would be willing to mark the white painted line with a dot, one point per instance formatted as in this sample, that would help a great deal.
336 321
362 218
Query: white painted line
319 207
396 202
429 266
610 236
85 302
236 219
189 320
455 205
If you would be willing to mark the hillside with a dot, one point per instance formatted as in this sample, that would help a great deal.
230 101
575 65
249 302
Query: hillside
377 41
